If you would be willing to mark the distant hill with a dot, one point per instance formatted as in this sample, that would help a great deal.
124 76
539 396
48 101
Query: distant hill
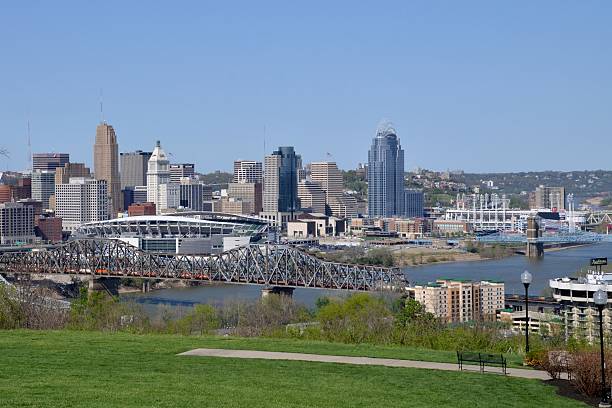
217 177
581 183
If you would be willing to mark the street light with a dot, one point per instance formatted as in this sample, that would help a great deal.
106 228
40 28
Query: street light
601 300
526 278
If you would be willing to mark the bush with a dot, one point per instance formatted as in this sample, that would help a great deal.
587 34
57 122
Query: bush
586 372
361 318
99 311
264 317
29 308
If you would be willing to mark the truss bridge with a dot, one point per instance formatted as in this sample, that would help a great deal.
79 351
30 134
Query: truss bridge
268 265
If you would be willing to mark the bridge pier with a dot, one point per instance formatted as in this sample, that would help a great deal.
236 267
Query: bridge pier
146 286
534 248
107 285
277 290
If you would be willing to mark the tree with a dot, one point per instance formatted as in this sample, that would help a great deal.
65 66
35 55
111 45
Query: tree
411 311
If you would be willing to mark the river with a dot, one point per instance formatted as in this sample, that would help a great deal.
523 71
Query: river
555 264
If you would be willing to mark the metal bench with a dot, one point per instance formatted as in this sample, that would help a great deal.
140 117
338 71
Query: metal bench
482 359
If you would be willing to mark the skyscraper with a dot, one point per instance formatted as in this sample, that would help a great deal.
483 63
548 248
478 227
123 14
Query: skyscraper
106 164
49 161
329 177
248 171
385 174
159 189
43 186
134 168
280 181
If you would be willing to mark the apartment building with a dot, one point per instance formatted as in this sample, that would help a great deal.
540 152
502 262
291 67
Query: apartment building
456 300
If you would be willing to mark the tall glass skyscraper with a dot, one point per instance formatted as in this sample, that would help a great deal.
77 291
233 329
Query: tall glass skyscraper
280 181
386 174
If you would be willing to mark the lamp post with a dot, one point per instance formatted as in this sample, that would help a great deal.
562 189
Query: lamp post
526 278
600 297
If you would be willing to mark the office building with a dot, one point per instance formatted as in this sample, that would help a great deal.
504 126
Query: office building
280 200
193 194
248 171
180 171
552 198
169 197
128 196
414 202
458 301
343 207
80 201
280 181
329 177
250 194
230 205
49 161
106 164
311 196
43 186
140 194
49 229
67 171
16 224
386 174
23 189
6 193
160 190
134 168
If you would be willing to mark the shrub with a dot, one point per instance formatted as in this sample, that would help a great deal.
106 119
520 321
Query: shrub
29 308
361 318
585 372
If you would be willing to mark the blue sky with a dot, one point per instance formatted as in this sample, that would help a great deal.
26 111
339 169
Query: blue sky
477 85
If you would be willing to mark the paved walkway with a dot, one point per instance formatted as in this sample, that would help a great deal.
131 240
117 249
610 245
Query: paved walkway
388 362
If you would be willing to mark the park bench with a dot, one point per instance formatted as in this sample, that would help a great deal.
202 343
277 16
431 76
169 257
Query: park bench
482 359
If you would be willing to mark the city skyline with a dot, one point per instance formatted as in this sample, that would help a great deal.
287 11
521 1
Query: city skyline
442 74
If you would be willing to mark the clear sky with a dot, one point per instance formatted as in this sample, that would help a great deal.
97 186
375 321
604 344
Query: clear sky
476 85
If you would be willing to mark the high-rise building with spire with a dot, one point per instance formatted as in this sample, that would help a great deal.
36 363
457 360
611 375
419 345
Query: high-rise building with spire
106 165
385 174
160 190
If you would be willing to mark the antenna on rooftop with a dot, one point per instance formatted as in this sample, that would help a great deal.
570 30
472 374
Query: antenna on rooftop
101 107
29 148
264 140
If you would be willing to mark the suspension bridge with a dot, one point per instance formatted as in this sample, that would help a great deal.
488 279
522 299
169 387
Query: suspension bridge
559 238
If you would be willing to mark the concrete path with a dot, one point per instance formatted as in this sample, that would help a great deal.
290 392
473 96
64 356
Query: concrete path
388 362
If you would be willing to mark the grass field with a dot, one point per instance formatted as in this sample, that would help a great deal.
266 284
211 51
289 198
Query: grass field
90 369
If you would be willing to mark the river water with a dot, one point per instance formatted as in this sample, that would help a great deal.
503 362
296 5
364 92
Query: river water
555 264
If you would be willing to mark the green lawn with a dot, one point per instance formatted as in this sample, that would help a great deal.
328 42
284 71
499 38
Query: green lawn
90 369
